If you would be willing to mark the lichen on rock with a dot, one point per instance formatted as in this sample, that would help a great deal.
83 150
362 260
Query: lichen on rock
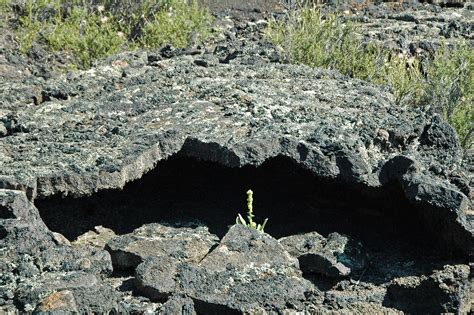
112 141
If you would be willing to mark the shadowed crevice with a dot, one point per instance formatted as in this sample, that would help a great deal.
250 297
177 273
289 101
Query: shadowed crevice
186 189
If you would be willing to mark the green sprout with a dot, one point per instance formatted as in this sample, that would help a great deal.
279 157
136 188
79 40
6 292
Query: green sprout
250 215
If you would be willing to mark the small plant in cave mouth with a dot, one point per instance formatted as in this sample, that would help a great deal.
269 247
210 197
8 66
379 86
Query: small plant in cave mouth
250 215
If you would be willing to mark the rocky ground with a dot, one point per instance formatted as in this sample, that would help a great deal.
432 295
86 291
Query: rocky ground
121 184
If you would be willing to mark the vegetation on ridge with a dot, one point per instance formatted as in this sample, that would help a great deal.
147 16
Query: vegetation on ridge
94 29
87 30
446 82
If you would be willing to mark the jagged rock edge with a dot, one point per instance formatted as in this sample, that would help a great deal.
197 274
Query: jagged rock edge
255 152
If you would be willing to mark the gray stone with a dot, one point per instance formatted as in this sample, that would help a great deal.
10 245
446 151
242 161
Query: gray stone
182 243
247 268
308 122
61 301
3 130
434 195
324 263
417 30
98 238
101 298
156 277
68 258
14 204
249 290
48 256
29 292
421 188
336 256
243 247
444 291
346 296
396 167
36 261
207 61
9 309
178 305
57 291
440 134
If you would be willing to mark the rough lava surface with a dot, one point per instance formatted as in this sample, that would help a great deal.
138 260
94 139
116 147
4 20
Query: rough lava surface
102 128
119 119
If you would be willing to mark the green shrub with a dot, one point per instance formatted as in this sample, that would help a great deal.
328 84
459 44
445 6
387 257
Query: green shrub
445 83
29 33
87 36
75 29
92 30
4 12
175 24
450 88
405 77
330 42
311 39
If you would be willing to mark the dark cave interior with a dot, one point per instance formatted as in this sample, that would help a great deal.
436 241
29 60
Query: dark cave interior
183 189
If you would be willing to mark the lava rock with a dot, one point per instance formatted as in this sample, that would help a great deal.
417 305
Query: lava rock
101 298
243 247
8 309
237 291
444 291
227 113
247 267
432 195
98 238
57 291
57 302
336 256
352 296
68 258
422 188
3 130
14 204
156 277
439 134
86 131
181 243
35 263
206 61
396 167
178 304
169 51
418 25
22 232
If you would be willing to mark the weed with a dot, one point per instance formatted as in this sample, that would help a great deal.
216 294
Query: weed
250 215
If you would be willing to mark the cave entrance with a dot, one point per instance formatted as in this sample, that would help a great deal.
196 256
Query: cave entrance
183 189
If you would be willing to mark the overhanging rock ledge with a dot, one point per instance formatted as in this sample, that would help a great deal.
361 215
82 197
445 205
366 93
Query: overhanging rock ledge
122 117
